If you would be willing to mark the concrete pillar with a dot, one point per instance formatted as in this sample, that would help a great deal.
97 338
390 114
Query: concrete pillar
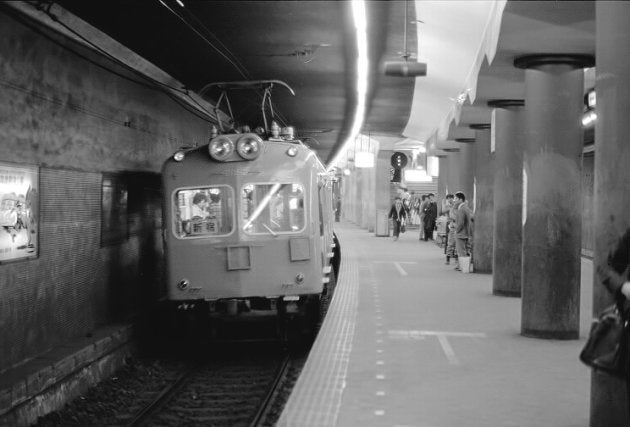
554 90
609 398
381 192
467 172
360 173
508 197
453 172
369 209
484 195
350 212
441 184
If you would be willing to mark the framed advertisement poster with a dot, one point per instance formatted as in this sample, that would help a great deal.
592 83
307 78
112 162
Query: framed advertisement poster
19 213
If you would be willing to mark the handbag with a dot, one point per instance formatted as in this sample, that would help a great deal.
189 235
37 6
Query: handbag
607 345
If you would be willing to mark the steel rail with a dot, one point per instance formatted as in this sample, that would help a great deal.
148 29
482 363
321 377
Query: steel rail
164 397
264 407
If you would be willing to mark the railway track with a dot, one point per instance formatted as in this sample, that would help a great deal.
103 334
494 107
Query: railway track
234 383
228 393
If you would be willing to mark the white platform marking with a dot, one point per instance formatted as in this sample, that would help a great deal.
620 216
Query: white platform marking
448 350
442 339
398 266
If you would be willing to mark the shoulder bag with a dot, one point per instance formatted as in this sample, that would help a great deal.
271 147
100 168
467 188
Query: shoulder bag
607 345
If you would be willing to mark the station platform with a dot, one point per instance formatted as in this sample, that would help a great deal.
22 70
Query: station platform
410 342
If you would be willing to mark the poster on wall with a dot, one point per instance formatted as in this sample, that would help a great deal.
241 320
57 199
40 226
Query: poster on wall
19 216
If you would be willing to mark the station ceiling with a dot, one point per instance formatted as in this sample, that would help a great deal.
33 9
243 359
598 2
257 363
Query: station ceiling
311 46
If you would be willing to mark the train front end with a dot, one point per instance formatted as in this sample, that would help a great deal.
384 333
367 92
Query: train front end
244 231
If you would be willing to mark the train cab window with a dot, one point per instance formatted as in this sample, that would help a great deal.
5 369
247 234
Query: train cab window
204 212
273 208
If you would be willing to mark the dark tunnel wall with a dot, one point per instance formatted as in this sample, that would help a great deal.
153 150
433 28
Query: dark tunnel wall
92 131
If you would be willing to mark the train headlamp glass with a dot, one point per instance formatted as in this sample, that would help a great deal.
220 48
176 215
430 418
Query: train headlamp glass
220 148
248 146
179 156
292 152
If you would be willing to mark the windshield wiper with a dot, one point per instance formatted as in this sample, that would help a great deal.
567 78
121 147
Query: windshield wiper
273 233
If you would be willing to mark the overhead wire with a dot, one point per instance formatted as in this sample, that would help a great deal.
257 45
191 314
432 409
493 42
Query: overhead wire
227 54
45 6
223 50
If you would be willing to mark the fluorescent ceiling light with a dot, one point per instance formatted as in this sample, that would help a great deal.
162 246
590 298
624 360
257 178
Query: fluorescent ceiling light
417 175
364 159
360 25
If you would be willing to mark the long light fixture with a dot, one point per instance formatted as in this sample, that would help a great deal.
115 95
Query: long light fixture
360 25
417 175
364 159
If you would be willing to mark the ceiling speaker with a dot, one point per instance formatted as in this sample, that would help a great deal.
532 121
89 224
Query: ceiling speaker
405 69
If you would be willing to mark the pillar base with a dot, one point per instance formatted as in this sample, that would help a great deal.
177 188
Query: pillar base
500 293
550 335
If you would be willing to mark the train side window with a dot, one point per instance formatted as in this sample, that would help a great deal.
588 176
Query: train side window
203 212
273 208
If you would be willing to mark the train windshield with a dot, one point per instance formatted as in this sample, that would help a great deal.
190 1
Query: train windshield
273 208
204 212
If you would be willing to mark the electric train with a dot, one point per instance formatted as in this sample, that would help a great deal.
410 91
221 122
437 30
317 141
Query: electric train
248 230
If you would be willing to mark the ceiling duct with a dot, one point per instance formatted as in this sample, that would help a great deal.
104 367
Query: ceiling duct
405 68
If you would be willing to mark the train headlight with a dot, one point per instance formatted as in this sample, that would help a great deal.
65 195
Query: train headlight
183 285
299 278
248 146
292 152
220 148
179 156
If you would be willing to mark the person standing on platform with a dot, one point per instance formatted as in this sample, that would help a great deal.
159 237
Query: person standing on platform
423 204
449 209
398 214
463 227
430 215
615 277
415 209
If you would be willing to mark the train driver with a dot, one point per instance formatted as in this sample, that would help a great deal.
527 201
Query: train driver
200 206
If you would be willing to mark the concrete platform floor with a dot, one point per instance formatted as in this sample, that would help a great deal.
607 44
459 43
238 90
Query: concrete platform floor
411 342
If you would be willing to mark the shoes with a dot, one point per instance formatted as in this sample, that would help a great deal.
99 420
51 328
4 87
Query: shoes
447 263
458 269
